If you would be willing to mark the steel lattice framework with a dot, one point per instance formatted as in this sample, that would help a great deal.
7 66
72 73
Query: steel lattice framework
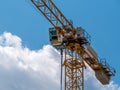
74 71
75 51
52 13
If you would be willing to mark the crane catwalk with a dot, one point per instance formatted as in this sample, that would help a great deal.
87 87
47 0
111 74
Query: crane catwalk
75 44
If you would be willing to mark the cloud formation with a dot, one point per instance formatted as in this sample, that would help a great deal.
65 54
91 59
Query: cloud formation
25 69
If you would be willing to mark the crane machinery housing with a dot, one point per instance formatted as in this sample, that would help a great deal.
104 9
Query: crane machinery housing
74 42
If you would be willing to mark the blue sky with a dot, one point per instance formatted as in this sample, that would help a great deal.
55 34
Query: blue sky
101 19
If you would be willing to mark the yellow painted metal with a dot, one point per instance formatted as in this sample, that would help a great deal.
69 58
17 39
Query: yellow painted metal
75 52
52 13
74 71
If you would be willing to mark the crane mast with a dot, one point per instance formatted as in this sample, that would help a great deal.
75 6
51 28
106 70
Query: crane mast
75 44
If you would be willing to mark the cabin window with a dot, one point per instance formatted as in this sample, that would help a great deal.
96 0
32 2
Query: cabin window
53 34
54 38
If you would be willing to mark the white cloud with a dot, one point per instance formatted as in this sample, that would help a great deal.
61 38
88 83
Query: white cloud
25 69
7 39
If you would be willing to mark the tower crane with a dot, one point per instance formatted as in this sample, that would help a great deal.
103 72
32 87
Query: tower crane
74 42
